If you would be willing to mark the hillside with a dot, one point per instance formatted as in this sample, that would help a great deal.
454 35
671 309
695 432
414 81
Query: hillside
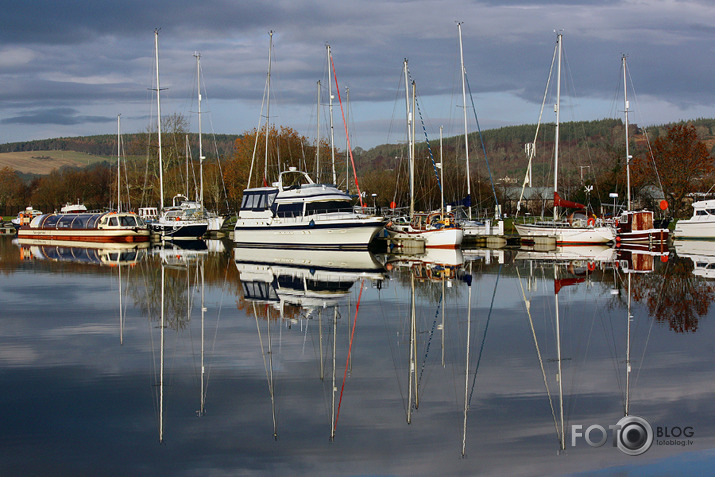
43 162
585 145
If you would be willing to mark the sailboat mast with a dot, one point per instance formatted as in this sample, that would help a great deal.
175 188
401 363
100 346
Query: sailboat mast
201 150
628 156
409 141
268 107
464 104
330 98
347 133
317 139
158 120
119 164
412 144
441 175
557 108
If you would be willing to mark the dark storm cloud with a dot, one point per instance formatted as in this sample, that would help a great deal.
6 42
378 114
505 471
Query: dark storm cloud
62 116
87 55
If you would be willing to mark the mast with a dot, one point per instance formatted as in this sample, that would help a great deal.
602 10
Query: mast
317 140
158 120
330 97
628 156
347 149
441 175
268 107
201 151
409 141
187 153
119 167
628 351
464 103
557 109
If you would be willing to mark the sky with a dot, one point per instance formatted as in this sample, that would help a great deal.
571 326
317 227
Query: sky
70 68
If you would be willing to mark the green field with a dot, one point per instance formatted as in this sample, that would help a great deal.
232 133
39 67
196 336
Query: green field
43 162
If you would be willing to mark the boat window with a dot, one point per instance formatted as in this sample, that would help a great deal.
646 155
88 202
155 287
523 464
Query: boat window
92 221
127 221
113 222
700 212
51 221
711 211
65 221
291 209
327 206
80 222
258 200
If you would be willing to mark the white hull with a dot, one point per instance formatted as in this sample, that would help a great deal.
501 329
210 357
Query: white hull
85 235
215 223
695 229
433 238
475 229
316 232
566 234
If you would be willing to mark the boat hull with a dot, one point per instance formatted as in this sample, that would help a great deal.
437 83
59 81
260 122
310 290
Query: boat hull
694 229
180 231
433 238
566 235
351 233
85 235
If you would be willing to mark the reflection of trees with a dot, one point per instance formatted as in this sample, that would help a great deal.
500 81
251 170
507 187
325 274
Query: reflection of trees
181 285
674 295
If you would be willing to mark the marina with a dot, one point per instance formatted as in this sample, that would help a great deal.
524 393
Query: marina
446 361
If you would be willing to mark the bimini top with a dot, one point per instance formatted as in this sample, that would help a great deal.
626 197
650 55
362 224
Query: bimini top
87 221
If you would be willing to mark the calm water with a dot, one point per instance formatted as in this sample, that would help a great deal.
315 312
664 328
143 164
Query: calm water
317 365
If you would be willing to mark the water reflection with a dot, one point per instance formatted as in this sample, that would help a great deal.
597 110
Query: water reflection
395 363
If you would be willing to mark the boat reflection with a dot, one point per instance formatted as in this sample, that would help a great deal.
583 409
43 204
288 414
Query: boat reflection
309 279
701 253
111 254
307 283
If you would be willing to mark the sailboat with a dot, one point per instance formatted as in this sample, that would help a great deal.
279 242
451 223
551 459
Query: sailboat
571 231
214 220
435 229
178 222
469 226
635 226
295 212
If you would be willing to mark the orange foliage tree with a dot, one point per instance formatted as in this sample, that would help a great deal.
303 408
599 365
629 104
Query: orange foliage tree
286 148
682 161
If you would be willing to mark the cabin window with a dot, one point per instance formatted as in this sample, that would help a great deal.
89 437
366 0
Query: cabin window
127 221
291 209
700 212
80 222
92 221
711 211
51 221
258 200
113 222
328 206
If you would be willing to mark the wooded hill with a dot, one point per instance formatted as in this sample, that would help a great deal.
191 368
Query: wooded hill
591 144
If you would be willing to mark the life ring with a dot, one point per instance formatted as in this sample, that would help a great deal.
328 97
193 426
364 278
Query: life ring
591 265
591 221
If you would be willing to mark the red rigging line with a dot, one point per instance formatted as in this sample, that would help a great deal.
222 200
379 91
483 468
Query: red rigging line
350 348
347 136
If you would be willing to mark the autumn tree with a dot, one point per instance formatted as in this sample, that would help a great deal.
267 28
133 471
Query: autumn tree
682 161
10 189
286 148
